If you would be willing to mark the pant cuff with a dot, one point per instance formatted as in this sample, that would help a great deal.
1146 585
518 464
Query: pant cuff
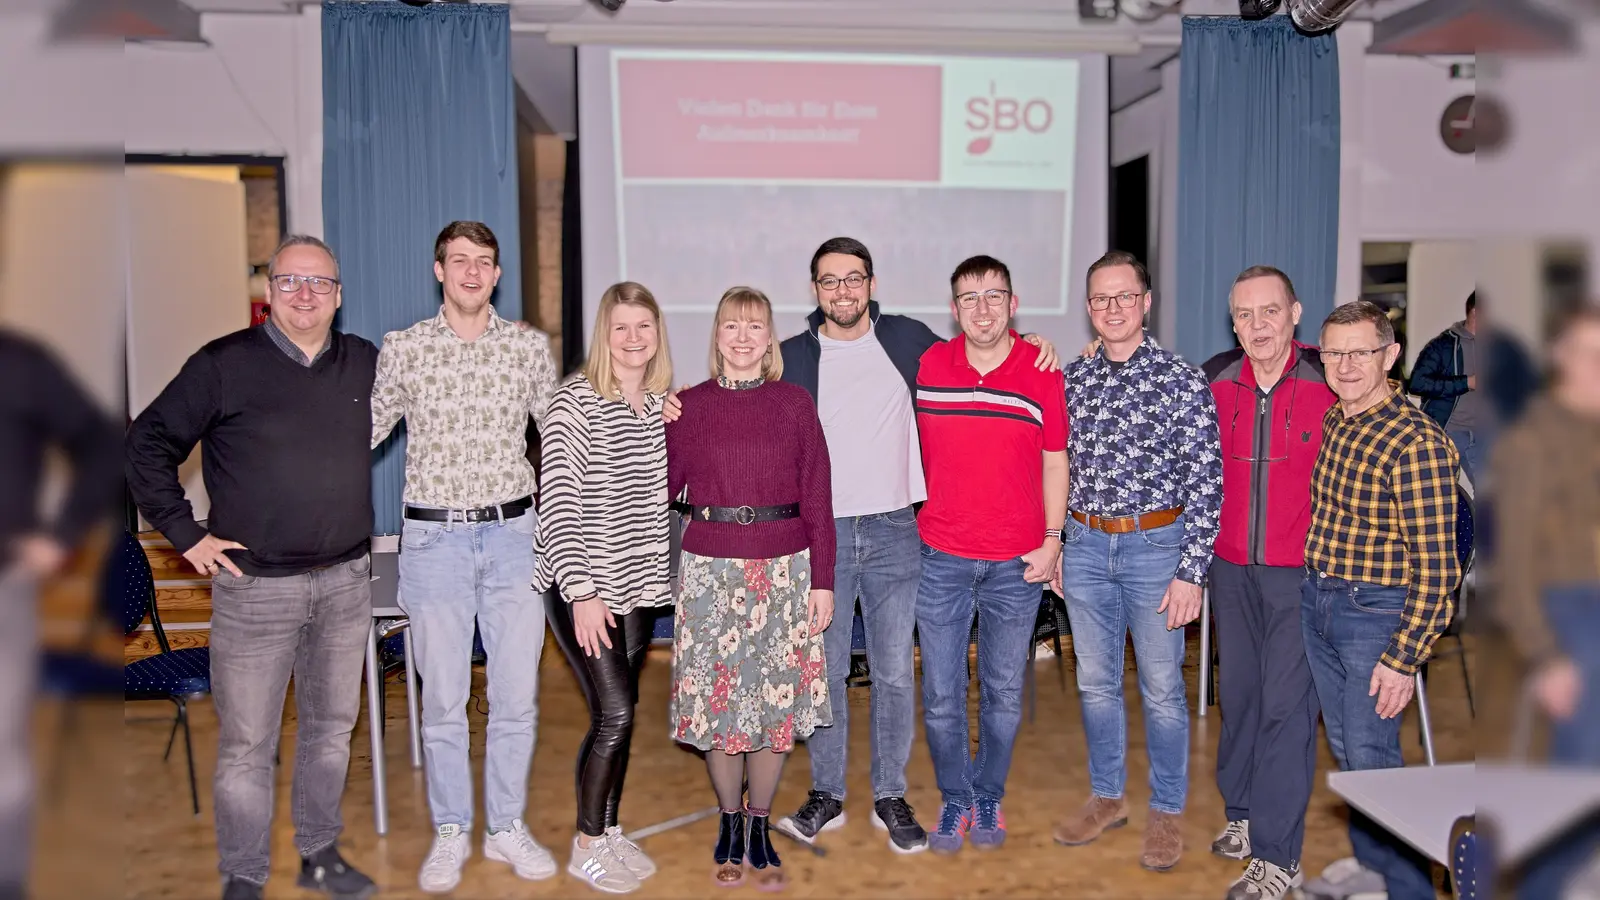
1168 810
316 847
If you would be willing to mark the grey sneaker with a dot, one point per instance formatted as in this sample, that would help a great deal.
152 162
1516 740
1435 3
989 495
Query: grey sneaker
1234 841
635 859
601 867
819 813
1263 880
1345 879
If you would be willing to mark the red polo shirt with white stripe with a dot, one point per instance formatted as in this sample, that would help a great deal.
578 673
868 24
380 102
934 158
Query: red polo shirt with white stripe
982 436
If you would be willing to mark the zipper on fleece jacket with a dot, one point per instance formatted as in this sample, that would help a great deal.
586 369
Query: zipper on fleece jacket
1261 451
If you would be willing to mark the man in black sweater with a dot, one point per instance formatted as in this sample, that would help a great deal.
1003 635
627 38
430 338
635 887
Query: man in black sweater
283 417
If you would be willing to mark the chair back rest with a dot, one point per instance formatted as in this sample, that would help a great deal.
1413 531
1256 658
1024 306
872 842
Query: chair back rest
1465 530
128 587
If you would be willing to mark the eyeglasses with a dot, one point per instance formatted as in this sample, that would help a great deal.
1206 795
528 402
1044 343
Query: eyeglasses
994 298
1124 301
1238 387
832 282
1334 357
288 284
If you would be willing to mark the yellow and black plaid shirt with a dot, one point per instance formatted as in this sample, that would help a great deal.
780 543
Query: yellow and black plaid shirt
1383 511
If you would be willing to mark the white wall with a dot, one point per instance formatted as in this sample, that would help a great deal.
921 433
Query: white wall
1149 127
1439 276
1412 186
256 91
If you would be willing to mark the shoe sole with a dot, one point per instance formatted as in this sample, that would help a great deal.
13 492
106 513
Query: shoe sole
983 845
524 874
789 828
578 874
877 822
1227 854
310 884
1114 824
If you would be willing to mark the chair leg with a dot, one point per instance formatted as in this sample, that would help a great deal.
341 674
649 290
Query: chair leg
173 734
1028 681
1466 679
188 752
1061 664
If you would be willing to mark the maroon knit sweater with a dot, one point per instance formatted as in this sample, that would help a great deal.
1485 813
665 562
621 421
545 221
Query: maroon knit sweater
756 447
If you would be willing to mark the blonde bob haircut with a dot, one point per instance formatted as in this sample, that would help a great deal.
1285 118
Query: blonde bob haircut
597 368
746 303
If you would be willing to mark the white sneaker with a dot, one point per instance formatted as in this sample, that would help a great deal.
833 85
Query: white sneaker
1234 841
1263 880
441 871
601 867
1346 879
637 862
518 848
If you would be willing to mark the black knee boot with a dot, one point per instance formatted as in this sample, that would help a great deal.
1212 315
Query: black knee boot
731 838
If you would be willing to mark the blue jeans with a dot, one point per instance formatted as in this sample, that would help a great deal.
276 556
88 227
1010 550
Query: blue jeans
951 590
879 561
1574 616
1473 448
1114 584
1348 625
451 574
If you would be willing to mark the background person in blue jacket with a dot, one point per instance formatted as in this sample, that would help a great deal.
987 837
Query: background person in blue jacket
1446 376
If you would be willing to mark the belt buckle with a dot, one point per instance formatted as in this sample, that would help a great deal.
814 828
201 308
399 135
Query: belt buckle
745 515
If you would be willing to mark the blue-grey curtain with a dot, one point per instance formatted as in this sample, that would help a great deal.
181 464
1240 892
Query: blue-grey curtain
419 130
1258 170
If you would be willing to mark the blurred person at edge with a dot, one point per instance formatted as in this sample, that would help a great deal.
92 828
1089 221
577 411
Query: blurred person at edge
1546 570
50 410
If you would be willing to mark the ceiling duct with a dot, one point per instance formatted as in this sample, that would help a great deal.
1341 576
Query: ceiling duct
137 21
1317 16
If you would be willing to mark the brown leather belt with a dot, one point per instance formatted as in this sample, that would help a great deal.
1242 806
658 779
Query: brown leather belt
1125 524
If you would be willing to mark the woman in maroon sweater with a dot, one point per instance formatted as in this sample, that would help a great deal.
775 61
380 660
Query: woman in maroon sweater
756 582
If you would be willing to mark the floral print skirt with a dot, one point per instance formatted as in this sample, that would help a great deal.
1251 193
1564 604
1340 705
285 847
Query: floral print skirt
747 674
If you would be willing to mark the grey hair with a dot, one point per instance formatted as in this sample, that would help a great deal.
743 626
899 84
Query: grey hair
302 240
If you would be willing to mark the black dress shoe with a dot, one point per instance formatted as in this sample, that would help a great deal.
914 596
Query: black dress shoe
731 839
239 889
326 871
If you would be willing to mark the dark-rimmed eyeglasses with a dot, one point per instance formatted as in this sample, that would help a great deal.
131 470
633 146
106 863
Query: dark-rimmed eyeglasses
832 282
1124 300
288 284
1238 388
1334 357
995 298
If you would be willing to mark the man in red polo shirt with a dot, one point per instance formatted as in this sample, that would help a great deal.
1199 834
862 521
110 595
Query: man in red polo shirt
994 442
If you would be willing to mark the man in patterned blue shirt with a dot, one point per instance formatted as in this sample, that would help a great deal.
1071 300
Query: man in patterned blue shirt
1144 504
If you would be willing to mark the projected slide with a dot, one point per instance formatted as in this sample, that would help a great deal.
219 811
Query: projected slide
730 164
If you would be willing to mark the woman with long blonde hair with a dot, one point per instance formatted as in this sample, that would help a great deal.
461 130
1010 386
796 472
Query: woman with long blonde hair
604 546
756 578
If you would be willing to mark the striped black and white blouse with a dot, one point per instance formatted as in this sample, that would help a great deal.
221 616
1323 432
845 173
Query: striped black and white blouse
603 523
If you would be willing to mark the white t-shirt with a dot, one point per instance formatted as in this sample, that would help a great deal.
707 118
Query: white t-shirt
871 428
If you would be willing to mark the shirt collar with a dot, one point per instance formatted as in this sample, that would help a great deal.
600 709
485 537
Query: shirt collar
1383 409
1247 372
958 351
290 348
441 325
1146 348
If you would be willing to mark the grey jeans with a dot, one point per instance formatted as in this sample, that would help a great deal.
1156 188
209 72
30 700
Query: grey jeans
312 625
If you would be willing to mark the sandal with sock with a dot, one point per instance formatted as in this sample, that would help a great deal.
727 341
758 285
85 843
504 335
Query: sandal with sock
730 851
764 863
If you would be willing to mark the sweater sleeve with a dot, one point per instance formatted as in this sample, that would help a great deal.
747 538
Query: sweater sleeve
74 421
1432 377
816 495
162 437
564 460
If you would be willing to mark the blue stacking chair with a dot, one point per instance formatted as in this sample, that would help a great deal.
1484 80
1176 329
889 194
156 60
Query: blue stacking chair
1471 868
172 675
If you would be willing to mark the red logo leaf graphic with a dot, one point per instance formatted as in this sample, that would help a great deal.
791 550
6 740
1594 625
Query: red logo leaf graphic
980 146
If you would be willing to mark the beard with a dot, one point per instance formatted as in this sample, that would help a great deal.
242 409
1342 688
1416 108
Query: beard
847 321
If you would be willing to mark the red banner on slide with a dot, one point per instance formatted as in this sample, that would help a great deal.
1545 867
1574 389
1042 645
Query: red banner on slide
704 119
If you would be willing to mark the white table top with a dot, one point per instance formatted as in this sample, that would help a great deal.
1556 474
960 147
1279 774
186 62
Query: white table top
386 586
1525 805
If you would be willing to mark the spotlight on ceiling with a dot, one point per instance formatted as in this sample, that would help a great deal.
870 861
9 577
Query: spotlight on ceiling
1148 10
1318 16
1258 9
610 5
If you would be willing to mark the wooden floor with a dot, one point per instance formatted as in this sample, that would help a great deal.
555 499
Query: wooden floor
171 854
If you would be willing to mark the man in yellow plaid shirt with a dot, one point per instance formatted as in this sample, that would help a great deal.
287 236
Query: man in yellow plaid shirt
1381 567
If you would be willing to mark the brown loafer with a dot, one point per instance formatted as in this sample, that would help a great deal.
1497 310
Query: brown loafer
1091 820
1163 842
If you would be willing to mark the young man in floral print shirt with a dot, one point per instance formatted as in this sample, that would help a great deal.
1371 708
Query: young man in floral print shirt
1143 510
466 381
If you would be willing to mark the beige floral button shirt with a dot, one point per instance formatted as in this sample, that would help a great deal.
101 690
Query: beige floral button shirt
466 406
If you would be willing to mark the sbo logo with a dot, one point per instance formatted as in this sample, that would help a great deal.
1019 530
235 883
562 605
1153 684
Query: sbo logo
994 115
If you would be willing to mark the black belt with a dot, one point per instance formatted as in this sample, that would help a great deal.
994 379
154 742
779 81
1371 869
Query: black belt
740 515
481 514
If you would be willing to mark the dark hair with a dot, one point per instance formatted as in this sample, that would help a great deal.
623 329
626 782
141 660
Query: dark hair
1268 272
845 246
1362 311
1472 302
476 232
1119 258
977 267
301 240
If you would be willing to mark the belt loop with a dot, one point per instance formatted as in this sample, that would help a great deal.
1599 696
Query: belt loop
500 513
450 521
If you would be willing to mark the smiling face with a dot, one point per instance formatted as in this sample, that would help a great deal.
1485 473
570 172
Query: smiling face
632 337
1114 285
743 340
468 273
843 300
988 321
302 312
1359 384
1264 317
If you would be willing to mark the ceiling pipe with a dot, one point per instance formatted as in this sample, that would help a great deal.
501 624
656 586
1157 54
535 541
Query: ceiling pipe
1317 16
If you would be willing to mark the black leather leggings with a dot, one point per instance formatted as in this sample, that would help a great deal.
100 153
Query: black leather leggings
610 684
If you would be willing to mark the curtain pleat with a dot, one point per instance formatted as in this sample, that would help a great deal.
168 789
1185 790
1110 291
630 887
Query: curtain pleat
419 130
1258 171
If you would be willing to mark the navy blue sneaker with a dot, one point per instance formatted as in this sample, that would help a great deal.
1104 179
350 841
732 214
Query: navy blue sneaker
954 822
988 825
